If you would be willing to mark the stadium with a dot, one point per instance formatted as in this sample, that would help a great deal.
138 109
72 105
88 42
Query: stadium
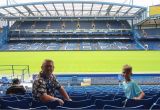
89 42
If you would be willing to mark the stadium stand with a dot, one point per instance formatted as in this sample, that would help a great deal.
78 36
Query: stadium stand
93 99
148 33
94 26
90 30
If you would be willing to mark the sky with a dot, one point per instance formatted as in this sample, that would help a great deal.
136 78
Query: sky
145 3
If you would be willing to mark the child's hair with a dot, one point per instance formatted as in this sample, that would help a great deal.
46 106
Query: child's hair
127 68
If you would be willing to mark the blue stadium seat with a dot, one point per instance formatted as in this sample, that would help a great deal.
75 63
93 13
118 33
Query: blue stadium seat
146 102
100 103
120 97
35 104
22 104
155 107
158 101
40 107
5 80
13 108
105 97
140 107
21 97
79 108
112 107
76 104
9 98
50 105
78 98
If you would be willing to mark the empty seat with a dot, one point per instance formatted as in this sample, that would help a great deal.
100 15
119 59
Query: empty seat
112 107
78 98
100 103
50 105
22 104
93 98
76 104
41 107
122 108
154 107
9 98
158 101
79 108
35 104
146 102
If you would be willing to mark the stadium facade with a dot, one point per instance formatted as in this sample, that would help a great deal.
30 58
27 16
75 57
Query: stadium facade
78 25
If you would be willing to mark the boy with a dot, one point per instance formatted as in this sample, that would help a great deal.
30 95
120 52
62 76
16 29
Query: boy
131 88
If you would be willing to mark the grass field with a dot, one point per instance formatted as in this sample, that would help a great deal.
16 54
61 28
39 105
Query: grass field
86 61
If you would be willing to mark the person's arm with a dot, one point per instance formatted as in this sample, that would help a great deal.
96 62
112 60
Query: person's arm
141 96
61 90
47 98
138 91
64 94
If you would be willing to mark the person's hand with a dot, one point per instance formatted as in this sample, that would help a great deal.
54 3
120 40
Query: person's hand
136 98
61 102
69 99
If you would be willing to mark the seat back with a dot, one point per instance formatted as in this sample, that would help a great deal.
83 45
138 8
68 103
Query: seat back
80 108
100 103
112 107
41 107
22 104
156 106
76 104
146 102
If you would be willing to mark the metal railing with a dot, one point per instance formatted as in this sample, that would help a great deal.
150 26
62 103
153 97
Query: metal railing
15 71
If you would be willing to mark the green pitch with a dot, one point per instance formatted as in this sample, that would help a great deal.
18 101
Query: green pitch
86 61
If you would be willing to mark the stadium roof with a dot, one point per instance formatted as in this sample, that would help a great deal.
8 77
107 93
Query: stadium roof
152 20
71 9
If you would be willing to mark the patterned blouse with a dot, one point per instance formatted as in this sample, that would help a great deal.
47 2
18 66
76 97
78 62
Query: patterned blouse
44 85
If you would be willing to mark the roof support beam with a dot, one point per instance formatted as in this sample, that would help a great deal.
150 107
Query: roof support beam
29 11
91 9
139 11
37 10
127 11
73 10
109 9
9 12
118 10
82 8
100 10
47 10
19 11
64 9
55 9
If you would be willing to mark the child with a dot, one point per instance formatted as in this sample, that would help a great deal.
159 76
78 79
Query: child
131 88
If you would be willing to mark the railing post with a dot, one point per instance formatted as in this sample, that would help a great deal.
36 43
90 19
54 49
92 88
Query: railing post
12 69
28 70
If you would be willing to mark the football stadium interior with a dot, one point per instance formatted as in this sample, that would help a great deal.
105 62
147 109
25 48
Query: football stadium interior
89 42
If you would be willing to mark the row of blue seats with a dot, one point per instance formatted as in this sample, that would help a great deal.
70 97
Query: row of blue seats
91 96
120 102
